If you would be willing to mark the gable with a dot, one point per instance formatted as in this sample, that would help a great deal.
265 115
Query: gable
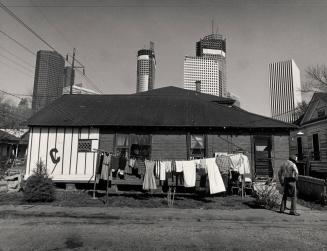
317 110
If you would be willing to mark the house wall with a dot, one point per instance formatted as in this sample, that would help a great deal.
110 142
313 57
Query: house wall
169 147
307 146
73 165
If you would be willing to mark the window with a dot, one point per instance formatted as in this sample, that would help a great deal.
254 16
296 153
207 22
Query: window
197 146
321 112
84 145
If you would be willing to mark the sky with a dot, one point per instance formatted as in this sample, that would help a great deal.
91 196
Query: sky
107 35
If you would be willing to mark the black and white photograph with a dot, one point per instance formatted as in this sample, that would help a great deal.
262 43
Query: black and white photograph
163 125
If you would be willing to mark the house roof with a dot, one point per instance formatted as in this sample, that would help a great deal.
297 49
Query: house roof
309 116
12 134
163 107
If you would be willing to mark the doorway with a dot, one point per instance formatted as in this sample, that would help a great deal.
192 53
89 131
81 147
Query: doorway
316 147
262 156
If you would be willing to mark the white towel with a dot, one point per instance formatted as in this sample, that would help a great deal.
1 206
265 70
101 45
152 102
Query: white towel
179 166
216 183
162 170
189 171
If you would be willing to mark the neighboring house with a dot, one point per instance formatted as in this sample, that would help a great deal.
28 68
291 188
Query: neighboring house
13 142
166 123
309 142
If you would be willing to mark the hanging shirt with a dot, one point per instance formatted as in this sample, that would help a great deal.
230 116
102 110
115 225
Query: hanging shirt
189 171
224 163
236 160
179 166
245 167
131 162
168 166
216 182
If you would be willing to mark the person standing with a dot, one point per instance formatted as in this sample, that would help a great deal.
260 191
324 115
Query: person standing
288 175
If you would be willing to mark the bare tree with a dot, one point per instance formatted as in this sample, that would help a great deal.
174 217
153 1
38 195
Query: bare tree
316 79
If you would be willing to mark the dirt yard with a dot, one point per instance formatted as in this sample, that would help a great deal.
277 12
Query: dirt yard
40 227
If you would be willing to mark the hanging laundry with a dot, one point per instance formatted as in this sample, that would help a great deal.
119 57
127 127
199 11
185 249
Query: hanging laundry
224 163
168 166
131 162
149 181
106 168
179 166
162 170
100 162
189 171
216 183
236 160
245 168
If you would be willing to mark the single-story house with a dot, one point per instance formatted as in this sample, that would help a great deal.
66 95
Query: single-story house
13 143
167 123
309 141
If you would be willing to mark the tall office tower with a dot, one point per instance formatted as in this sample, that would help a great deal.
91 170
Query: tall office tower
285 94
208 66
48 79
146 69
69 76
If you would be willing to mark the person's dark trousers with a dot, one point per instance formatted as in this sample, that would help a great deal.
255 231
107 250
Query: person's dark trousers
293 200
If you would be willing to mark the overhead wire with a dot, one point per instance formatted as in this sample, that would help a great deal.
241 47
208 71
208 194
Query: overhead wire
40 38
17 69
16 63
14 55
18 43
12 14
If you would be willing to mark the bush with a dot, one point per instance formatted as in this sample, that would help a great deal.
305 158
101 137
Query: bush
267 196
39 187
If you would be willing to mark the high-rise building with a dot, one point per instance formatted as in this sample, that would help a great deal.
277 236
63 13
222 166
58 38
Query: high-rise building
285 86
48 79
146 69
208 66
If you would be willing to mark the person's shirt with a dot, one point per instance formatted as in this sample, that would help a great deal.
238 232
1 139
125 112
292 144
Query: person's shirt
287 170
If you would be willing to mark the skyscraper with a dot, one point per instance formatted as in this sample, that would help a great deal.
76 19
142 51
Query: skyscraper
208 66
146 69
48 79
285 94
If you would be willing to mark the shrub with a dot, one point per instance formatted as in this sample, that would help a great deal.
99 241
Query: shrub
267 196
39 187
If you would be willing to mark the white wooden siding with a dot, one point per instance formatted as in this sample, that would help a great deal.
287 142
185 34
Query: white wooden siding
73 165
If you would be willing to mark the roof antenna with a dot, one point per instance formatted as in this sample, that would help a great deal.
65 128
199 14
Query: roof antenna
212 23
217 29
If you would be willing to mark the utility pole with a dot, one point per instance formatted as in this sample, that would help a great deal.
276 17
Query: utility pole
72 74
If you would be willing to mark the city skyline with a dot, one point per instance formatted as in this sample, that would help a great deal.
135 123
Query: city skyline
107 38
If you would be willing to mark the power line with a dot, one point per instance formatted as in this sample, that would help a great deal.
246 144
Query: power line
14 55
38 36
16 62
25 25
20 44
17 69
